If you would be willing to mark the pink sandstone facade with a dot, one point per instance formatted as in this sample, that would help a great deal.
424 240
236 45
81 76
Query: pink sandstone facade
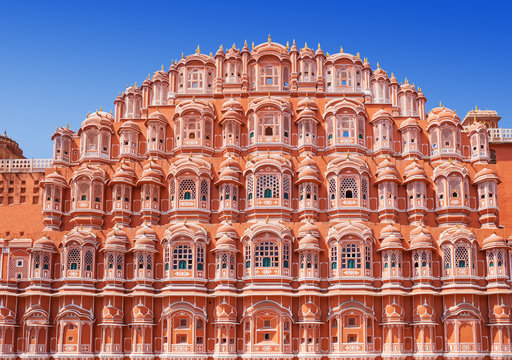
264 203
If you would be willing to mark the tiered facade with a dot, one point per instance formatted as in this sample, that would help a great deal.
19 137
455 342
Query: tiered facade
264 203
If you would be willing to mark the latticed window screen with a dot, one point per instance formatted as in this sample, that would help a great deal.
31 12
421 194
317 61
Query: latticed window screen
166 256
204 190
74 259
447 257
266 254
334 256
119 261
286 187
332 188
88 260
350 256
364 188
37 261
348 188
172 189
182 257
235 193
110 261
149 261
224 260
308 191
187 189
368 257
195 79
461 256
286 255
250 186
46 262
247 255
200 258
267 186
227 191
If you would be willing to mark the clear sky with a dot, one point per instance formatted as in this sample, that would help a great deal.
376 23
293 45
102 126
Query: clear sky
61 59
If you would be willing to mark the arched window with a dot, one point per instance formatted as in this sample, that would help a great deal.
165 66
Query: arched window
267 186
182 257
269 75
74 259
348 188
187 189
266 254
334 256
351 256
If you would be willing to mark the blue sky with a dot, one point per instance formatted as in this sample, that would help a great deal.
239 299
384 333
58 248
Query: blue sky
59 60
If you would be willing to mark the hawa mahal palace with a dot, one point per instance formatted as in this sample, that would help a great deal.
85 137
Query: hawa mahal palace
269 202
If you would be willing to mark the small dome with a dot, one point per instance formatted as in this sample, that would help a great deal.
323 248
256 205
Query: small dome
424 312
124 174
225 312
307 103
141 313
307 113
227 229
393 312
230 163
421 238
233 105
308 228
55 179
44 243
409 122
152 173
386 171
493 241
414 172
146 230
129 125
225 241
442 113
309 312
157 115
379 73
111 314
391 238
381 114
308 242
486 174
308 171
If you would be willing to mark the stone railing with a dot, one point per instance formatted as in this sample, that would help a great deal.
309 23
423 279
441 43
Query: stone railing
24 165
500 135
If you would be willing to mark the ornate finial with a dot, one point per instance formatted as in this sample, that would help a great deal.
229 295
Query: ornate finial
406 81
88 113
198 50
183 57
252 46
328 54
211 54
341 49
293 42
440 104
358 56
221 48
245 43
287 45
81 226
392 74
111 112
378 65
266 220
101 107
269 39
306 45
319 46
348 154
67 126
476 107
190 156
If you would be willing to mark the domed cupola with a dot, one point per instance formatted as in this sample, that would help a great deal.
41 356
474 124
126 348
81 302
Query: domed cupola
496 253
479 139
114 252
410 131
151 183
95 137
416 181
422 247
62 139
231 123
387 181
229 188
382 123
307 122
392 256
308 181
408 100
225 256
380 86
129 140
444 130
53 185
487 182
143 256
122 184
41 255
309 252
